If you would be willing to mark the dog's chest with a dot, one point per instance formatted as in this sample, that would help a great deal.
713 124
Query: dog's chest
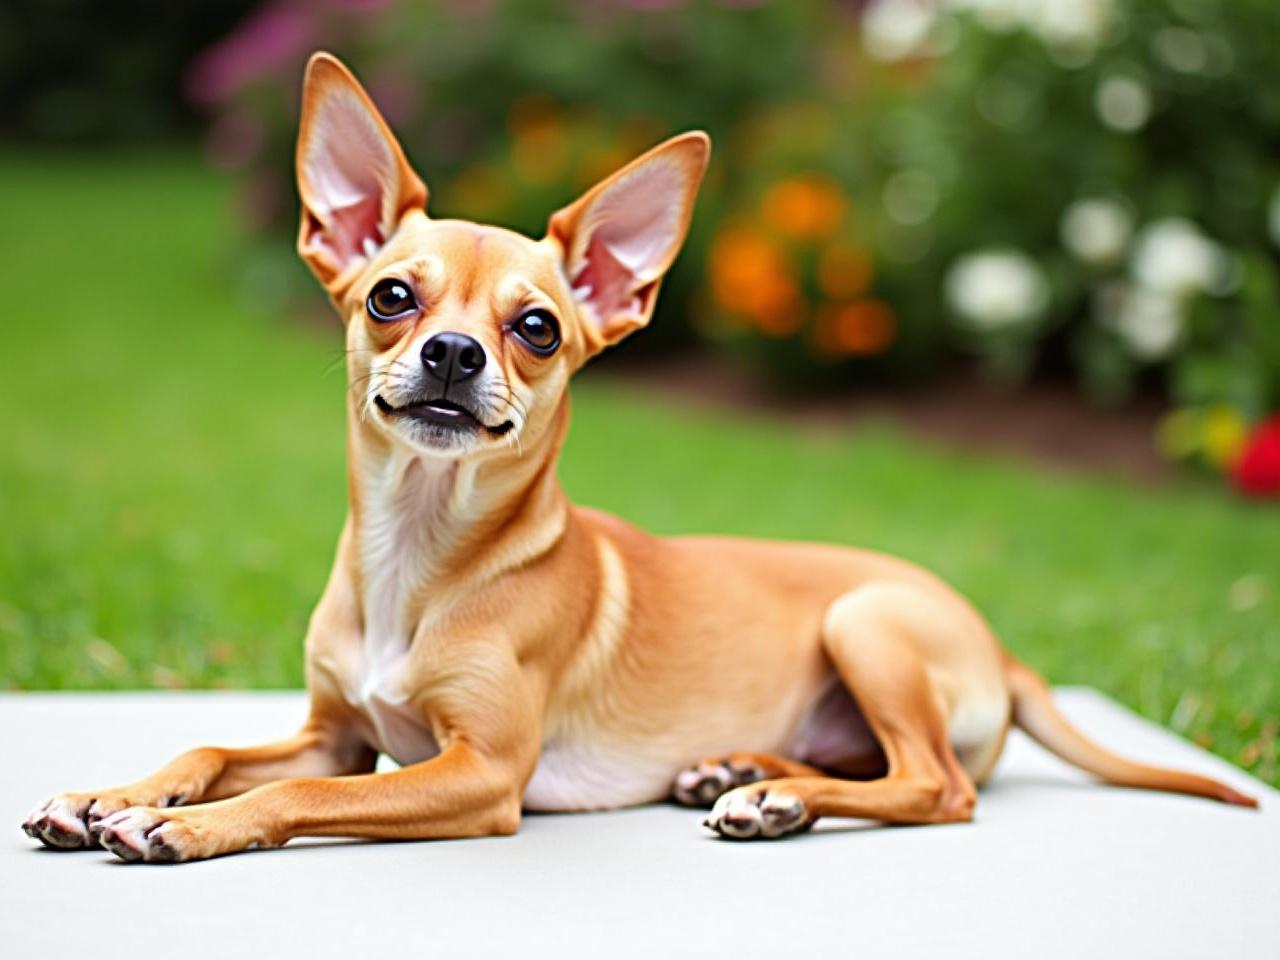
395 556
379 685
393 725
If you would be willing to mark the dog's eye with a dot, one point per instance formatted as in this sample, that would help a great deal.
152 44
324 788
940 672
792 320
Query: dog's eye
539 331
390 300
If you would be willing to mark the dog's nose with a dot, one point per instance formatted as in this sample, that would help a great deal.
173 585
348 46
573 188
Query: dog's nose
452 357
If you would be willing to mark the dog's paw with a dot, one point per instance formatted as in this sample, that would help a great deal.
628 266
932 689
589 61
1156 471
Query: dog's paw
701 784
62 822
72 821
145 834
758 812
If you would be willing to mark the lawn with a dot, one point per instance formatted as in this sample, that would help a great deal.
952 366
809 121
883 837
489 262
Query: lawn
172 483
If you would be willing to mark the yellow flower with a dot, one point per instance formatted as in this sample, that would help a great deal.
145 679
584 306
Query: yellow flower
1178 433
1216 433
1224 435
811 207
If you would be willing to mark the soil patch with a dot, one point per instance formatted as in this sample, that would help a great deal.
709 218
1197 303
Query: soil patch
1046 422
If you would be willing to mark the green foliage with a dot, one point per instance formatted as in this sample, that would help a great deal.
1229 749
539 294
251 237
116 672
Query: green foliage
1082 184
174 484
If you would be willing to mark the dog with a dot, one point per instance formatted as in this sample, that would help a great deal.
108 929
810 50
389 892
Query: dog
515 652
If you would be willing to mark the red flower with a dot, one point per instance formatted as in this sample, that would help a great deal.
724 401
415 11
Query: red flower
1257 472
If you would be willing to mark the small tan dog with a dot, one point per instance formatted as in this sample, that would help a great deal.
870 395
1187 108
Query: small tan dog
513 651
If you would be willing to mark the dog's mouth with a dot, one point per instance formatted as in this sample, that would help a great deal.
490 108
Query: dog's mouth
441 413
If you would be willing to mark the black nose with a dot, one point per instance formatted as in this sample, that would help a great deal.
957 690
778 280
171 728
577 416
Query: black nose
452 357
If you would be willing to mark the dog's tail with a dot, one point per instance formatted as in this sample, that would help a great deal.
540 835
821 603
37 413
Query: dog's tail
1034 712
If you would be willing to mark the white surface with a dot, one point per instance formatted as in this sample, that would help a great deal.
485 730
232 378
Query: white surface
1052 867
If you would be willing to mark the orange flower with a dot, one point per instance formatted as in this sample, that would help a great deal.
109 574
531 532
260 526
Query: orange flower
531 112
785 321
539 148
481 190
844 271
751 278
540 157
810 207
861 328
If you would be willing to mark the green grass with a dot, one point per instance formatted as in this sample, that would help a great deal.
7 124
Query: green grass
172 484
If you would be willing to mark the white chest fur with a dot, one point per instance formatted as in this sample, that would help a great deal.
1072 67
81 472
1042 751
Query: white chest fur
395 726
403 503
407 508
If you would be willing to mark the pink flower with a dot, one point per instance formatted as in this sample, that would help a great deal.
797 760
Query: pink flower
268 39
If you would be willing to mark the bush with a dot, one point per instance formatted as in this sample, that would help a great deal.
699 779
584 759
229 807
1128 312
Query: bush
1092 184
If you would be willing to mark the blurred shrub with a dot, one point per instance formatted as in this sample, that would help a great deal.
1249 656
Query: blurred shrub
509 109
1092 184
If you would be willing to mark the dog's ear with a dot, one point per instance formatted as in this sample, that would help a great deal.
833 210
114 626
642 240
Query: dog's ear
623 234
353 178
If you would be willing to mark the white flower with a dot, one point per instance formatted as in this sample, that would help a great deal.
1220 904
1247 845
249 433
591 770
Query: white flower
1059 23
1123 103
1071 29
1181 49
997 289
894 29
1273 217
1174 258
1000 16
1096 230
1148 321
1077 22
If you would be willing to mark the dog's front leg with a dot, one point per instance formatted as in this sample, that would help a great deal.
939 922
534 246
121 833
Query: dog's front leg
327 745
323 748
489 729
459 793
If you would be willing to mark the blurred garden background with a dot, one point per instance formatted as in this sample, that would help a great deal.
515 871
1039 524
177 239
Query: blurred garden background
990 284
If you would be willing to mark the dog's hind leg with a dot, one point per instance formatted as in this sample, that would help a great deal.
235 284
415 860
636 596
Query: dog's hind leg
874 638
699 785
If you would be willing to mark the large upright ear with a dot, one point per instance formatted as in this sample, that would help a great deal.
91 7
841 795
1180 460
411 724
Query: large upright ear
620 237
353 178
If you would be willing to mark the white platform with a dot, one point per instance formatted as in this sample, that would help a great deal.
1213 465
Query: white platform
1053 866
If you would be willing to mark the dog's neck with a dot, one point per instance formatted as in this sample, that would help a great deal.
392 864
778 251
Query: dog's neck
429 530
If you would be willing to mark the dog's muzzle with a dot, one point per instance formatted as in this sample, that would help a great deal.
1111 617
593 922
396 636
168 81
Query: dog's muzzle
440 412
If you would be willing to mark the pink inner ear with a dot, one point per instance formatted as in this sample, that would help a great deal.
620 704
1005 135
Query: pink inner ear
632 231
604 283
353 231
351 177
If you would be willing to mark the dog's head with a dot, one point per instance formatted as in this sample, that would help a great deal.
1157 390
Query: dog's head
462 336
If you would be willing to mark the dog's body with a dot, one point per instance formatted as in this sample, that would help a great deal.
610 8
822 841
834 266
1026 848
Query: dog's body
513 651
640 688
